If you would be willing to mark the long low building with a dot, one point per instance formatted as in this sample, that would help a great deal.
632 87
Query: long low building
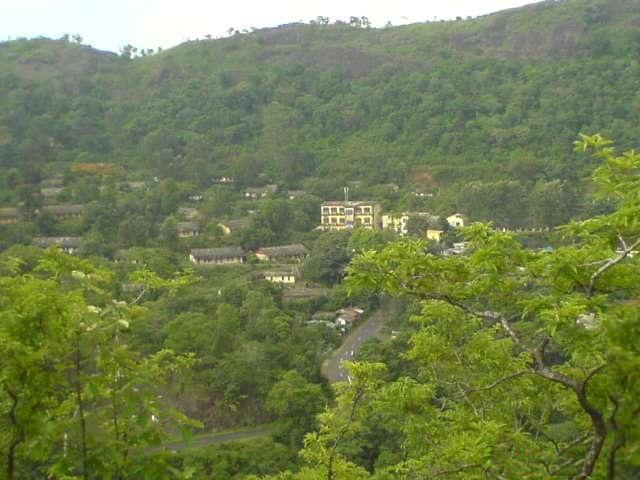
217 256
64 211
284 276
10 215
66 244
282 253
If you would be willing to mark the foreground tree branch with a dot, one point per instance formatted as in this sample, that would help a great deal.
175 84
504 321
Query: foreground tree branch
542 370
626 250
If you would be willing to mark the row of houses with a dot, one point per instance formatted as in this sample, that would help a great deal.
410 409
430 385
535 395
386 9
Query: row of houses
236 255
10 215
341 215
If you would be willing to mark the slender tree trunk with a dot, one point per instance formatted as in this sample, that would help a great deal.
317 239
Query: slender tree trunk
599 436
617 443
17 438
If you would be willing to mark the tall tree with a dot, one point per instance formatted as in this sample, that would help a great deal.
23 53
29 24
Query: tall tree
529 351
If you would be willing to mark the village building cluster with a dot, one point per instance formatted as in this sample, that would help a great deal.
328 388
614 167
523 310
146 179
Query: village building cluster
277 264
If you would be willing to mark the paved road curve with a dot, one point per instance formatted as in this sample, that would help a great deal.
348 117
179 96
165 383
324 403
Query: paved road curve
332 368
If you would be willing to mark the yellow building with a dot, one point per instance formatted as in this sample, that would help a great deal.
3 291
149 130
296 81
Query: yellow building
435 234
340 215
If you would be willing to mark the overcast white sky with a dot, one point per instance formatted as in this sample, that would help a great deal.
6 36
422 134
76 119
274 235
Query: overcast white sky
110 24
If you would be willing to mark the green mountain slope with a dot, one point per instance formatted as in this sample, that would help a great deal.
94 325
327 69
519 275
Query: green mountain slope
489 107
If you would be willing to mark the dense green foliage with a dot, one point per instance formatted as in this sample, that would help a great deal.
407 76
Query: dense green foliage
100 361
461 100
523 363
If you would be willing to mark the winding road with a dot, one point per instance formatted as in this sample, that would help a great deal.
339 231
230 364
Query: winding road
332 367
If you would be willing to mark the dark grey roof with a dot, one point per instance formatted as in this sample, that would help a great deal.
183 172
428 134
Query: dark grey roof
215 253
10 212
51 191
296 250
121 254
62 242
235 224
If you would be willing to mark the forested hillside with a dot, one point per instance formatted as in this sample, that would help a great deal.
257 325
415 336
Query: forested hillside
487 107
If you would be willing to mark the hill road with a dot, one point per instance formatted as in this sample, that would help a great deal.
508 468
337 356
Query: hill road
332 367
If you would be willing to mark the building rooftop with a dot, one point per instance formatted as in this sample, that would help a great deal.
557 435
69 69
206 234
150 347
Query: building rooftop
10 212
235 224
188 226
284 251
349 203
62 242
64 209
214 253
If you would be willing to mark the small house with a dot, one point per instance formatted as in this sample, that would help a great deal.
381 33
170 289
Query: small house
230 226
457 220
50 192
282 253
195 197
223 179
347 316
260 192
283 276
10 215
217 256
293 194
458 248
64 211
66 244
188 229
